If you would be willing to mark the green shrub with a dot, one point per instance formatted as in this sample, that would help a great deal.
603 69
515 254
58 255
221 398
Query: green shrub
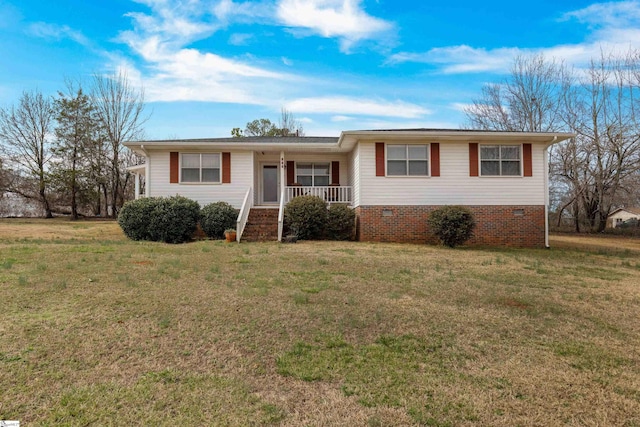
453 225
174 219
306 216
216 217
341 221
134 216
162 219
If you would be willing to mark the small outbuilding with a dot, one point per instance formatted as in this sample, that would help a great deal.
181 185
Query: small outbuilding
621 215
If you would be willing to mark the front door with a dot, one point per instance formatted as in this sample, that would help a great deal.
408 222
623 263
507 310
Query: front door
269 184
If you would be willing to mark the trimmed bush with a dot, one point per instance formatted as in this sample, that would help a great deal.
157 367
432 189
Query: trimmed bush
217 217
161 219
134 216
306 216
453 225
341 221
174 219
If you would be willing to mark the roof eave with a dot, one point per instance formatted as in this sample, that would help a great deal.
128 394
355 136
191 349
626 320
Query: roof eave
264 146
457 135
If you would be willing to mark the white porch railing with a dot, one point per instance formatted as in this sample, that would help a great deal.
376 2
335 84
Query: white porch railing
247 204
281 215
330 194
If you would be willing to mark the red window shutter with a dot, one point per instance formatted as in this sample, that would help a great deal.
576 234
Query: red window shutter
335 173
473 159
435 159
526 160
291 172
174 171
380 167
226 168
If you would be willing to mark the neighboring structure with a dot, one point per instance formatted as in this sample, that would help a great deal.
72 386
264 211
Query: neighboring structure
620 215
393 178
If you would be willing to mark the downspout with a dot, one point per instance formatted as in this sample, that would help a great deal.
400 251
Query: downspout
546 191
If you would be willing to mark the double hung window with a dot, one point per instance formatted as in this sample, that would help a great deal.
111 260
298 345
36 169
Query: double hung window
500 160
407 160
313 174
200 168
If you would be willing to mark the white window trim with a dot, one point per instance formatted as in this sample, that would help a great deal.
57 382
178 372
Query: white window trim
180 181
313 169
386 161
520 159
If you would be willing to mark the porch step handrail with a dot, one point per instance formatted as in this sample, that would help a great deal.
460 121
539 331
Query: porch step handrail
243 216
330 194
281 215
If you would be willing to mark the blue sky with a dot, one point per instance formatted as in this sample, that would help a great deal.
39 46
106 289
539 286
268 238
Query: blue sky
210 65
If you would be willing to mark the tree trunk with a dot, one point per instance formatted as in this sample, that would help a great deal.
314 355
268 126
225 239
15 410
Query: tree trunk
106 199
45 203
98 208
74 187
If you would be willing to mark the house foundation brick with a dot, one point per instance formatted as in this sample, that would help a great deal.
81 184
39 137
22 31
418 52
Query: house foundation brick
516 226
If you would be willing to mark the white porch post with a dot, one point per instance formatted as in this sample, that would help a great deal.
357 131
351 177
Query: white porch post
283 173
147 180
137 191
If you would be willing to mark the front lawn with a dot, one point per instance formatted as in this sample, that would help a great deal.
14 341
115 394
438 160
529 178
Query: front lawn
100 330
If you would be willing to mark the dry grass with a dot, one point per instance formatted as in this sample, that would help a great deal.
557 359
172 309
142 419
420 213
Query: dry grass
595 242
100 330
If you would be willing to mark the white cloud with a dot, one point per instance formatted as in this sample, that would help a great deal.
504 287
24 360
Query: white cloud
173 24
460 106
173 72
190 75
462 59
344 19
245 12
611 14
342 105
615 28
56 32
341 118
240 39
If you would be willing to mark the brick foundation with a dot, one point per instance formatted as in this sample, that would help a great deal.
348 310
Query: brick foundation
518 226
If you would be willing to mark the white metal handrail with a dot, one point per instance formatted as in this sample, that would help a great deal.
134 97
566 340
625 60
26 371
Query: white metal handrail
243 216
281 215
330 194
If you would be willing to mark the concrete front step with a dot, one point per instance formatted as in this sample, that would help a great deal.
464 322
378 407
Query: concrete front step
262 225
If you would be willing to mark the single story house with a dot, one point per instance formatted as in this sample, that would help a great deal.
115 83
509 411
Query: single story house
621 215
392 178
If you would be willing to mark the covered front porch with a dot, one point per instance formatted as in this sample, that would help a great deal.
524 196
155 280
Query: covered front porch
280 177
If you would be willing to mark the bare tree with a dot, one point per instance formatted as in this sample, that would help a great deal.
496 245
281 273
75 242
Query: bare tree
25 131
119 108
528 100
289 125
602 111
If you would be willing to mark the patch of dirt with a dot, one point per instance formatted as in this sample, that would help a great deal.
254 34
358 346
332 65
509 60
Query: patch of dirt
514 303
